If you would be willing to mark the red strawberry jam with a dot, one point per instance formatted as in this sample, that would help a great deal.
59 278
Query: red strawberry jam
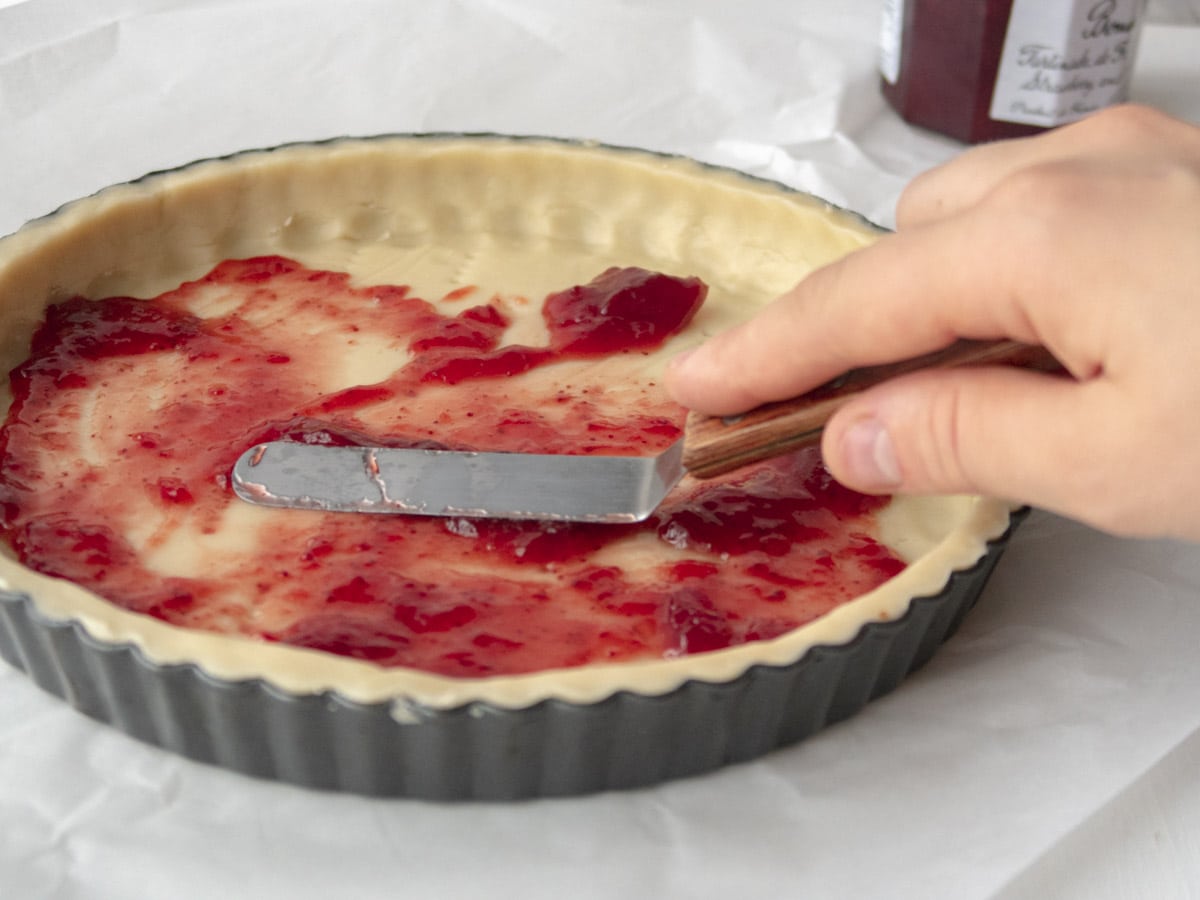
129 414
621 309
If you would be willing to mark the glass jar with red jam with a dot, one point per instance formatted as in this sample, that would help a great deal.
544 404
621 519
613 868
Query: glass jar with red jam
980 70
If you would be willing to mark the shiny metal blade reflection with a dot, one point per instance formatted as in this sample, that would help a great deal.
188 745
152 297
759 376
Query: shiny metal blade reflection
456 483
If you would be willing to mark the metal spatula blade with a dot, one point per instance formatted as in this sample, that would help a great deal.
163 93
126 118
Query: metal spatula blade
611 489
569 488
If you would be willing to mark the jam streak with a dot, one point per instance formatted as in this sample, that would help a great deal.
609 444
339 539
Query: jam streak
168 397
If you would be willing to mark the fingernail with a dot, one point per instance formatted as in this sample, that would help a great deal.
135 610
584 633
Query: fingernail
870 455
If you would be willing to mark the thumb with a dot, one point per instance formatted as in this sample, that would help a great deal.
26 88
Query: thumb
995 431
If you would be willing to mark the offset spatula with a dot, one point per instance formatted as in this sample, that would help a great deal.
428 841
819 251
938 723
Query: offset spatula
563 487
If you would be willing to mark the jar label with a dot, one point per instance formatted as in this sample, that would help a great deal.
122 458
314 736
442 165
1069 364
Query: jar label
1062 61
891 39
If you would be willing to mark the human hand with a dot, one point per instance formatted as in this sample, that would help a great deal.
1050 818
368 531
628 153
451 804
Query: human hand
1085 240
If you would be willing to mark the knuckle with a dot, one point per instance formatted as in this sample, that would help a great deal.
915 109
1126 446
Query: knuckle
948 460
1124 122
921 197
932 448
1028 213
1043 191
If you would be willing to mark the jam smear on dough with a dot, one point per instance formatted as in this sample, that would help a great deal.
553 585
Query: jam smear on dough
129 413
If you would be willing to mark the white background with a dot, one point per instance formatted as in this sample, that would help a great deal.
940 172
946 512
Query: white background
1050 749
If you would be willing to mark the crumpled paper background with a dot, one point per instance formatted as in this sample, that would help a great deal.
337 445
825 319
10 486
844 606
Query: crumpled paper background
1051 749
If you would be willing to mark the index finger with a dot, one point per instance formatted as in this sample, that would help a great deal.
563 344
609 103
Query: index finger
909 293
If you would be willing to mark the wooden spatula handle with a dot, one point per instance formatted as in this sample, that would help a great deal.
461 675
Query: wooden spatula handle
716 445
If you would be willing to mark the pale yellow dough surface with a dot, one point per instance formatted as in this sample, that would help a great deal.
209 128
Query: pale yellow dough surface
518 218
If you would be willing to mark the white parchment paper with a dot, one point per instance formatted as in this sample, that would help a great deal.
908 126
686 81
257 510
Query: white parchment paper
1073 679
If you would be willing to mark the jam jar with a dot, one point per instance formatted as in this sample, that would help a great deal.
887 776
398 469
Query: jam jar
979 70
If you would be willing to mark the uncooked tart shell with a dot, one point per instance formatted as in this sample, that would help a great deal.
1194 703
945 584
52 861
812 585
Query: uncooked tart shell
515 216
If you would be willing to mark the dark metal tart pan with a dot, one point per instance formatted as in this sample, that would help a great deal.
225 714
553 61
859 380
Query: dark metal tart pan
479 751
402 744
